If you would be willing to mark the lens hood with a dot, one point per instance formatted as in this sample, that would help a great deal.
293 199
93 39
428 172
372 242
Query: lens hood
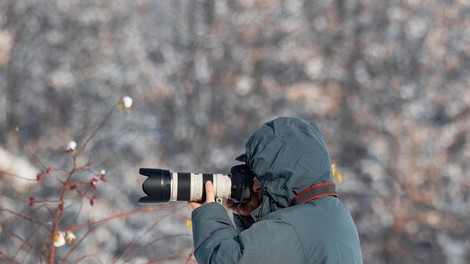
157 186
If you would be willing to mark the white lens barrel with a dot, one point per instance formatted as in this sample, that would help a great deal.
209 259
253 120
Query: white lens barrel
222 185
190 186
196 187
174 187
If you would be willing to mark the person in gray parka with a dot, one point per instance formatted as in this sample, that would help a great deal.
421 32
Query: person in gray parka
294 215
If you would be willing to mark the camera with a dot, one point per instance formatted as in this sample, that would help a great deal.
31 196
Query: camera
164 186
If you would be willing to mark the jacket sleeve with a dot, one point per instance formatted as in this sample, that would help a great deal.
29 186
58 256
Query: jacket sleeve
267 241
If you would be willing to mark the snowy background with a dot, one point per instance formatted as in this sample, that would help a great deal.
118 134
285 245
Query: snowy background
386 81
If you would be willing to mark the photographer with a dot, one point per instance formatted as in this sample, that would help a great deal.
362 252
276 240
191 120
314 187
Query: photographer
293 216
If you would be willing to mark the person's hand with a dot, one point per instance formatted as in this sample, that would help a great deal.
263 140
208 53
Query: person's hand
210 197
247 208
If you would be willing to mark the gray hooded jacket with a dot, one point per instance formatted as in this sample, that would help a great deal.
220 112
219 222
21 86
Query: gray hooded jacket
288 155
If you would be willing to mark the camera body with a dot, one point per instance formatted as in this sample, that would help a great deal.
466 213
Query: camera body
165 186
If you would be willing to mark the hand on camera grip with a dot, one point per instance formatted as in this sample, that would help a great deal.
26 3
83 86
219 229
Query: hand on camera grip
246 208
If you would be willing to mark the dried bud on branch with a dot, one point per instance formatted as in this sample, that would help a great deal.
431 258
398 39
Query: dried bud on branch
71 146
58 239
93 182
69 185
31 201
126 103
103 175
92 200
70 237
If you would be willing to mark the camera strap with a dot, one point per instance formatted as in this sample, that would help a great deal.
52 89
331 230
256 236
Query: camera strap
314 192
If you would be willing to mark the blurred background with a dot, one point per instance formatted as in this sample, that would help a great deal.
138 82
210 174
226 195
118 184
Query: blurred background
387 82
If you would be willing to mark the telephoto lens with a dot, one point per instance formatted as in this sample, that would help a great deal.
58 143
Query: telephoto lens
164 186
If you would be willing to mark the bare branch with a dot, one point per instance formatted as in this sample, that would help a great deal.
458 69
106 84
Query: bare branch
23 241
151 243
31 248
100 126
190 258
174 256
77 244
120 215
8 258
16 176
25 217
132 244
89 256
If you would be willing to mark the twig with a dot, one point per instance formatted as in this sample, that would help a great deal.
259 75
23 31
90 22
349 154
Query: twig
174 256
120 215
190 257
132 244
35 157
23 241
27 243
16 176
100 126
77 244
158 239
25 217
89 256
8 258
11 233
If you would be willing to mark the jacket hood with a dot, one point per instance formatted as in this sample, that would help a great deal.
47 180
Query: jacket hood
288 155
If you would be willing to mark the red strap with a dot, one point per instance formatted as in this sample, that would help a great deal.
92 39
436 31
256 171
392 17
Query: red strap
314 192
